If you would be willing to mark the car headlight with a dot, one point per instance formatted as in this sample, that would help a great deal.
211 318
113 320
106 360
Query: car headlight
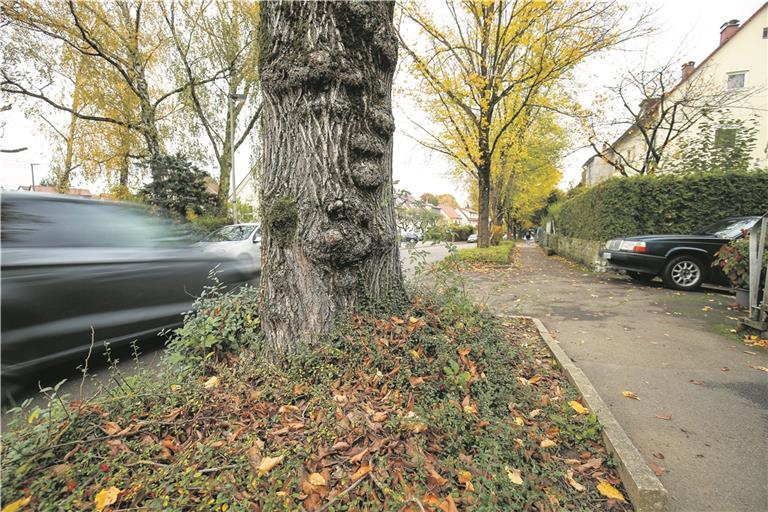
613 244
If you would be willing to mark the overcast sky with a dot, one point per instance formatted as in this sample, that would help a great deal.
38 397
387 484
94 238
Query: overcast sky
687 29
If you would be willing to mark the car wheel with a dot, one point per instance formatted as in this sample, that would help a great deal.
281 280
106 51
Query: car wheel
641 276
684 273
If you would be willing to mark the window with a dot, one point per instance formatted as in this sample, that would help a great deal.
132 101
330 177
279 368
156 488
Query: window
725 137
765 33
736 80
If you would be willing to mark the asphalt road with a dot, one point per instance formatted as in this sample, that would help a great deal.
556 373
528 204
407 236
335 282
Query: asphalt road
103 372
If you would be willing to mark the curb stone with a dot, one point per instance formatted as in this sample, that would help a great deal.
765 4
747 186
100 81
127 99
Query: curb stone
646 493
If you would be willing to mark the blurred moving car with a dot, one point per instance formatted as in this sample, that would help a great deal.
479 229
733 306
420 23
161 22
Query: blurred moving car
72 264
240 241
684 261
472 238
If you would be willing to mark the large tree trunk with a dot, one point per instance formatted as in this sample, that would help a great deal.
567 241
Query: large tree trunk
329 236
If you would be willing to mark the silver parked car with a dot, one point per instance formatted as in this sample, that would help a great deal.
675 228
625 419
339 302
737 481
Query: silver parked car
240 241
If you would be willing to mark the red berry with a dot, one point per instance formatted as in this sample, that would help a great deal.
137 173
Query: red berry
104 467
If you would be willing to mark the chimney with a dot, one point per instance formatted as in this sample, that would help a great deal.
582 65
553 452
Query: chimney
727 29
687 70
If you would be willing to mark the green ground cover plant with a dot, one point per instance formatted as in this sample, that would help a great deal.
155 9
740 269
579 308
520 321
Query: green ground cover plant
442 408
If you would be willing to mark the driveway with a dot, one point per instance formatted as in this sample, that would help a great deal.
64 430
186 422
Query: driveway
675 351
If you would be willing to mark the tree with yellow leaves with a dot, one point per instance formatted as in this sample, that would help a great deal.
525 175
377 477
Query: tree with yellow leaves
500 52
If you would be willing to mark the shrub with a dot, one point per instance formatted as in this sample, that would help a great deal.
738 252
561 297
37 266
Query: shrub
734 260
494 255
218 322
449 233
661 204
178 186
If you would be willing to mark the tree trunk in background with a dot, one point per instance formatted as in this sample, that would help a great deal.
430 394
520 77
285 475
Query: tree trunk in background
329 237
484 198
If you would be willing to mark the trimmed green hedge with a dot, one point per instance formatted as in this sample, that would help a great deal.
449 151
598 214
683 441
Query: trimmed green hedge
644 205
496 254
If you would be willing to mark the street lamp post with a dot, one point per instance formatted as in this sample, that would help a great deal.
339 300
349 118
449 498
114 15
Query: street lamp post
232 98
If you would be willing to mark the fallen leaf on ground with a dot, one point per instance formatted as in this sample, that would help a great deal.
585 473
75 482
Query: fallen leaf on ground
415 381
268 463
287 408
576 406
465 477
657 470
211 383
761 368
573 483
659 455
16 505
467 406
664 417
514 475
175 387
548 443
534 379
361 472
534 413
697 382
630 394
317 479
610 491
436 477
110 428
519 421
106 497
725 369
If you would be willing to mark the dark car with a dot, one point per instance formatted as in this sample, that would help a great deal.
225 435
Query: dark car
683 261
71 264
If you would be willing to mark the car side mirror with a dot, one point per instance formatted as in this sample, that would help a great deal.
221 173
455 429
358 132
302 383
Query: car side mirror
256 239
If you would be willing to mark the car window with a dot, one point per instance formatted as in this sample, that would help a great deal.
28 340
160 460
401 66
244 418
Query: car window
728 228
57 223
231 233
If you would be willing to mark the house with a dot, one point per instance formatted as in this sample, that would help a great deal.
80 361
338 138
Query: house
738 64
469 217
451 214
81 192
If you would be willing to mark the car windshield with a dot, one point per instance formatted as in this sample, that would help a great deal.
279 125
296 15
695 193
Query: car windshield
727 228
231 233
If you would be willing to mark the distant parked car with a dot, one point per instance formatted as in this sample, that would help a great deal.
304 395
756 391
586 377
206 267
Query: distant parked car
683 261
472 238
70 265
412 237
241 241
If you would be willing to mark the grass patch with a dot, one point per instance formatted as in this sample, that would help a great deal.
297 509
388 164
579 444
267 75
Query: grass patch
441 408
495 255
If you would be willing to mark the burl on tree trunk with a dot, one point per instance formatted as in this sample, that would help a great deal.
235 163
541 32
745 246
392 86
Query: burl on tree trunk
329 240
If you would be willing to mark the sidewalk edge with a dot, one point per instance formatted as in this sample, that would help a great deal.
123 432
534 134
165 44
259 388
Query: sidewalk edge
646 493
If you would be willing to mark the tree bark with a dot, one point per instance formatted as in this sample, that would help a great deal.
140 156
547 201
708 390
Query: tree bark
484 198
329 237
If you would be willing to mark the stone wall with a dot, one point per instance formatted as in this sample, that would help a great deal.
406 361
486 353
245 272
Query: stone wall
581 251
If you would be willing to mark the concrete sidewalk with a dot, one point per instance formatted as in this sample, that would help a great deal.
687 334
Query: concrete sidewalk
674 350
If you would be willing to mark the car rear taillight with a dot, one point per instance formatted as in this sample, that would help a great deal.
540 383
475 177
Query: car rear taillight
638 247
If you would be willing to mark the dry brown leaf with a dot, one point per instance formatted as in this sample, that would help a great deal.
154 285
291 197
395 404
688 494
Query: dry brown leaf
415 381
287 408
663 417
534 379
361 472
435 477
696 382
268 463
317 479
17 505
211 383
548 443
630 394
467 406
514 475
573 483
378 417
358 456
110 428
657 470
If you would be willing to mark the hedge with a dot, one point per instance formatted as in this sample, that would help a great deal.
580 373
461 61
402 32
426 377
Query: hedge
449 233
662 204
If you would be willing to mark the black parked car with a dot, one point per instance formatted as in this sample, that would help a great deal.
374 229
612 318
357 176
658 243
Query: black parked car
71 264
683 261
